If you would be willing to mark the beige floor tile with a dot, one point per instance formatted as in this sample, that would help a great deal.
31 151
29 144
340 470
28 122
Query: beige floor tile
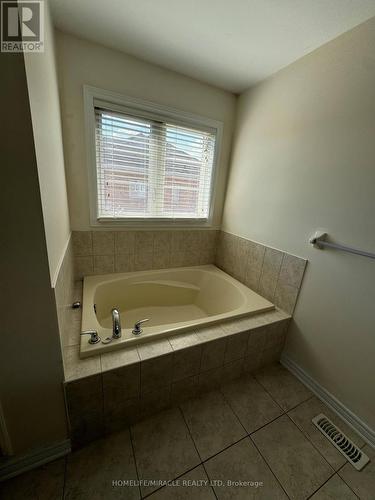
286 390
242 462
163 448
251 403
192 485
44 483
361 482
296 463
302 415
334 489
212 423
91 470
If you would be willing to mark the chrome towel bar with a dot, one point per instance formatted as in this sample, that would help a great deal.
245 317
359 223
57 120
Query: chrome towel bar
319 241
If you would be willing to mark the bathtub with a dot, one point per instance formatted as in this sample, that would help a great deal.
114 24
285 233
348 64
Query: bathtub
174 300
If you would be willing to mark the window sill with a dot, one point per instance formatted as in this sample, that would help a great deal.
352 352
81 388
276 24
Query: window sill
151 223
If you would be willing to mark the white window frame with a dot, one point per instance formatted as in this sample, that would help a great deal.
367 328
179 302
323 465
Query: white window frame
113 101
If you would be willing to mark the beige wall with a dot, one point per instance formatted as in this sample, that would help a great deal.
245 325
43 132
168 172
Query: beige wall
31 372
81 62
46 121
304 158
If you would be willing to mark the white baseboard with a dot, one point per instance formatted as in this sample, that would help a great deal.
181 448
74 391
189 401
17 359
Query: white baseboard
360 427
12 466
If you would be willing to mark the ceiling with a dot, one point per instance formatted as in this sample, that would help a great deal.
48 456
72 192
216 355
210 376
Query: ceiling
231 44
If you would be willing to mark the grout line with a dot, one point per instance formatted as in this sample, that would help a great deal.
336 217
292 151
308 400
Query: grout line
249 436
297 405
321 486
195 446
265 425
285 412
267 464
343 480
65 471
310 441
234 413
267 391
226 448
135 460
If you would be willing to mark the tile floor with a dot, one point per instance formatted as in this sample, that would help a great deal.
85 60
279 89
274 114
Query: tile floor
255 432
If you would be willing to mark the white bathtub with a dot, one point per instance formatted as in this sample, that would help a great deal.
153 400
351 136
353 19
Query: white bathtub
174 300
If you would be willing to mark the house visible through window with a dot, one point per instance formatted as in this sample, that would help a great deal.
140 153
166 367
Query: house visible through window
152 167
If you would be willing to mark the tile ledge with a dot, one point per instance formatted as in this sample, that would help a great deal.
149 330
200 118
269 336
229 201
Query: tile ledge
260 320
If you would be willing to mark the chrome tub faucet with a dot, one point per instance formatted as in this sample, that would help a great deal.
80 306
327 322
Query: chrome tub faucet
116 324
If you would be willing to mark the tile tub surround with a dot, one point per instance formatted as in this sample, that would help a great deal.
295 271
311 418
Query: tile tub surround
67 291
274 274
109 392
103 252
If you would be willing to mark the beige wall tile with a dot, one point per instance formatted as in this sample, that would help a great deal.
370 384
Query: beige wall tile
183 340
241 256
150 350
124 263
121 384
286 297
213 332
270 272
186 362
162 241
257 339
232 370
292 269
83 266
82 243
213 354
178 241
103 242
252 360
156 373
160 260
271 355
210 379
124 242
178 259
76 368
275 334
254 265
104 264
84 399
119 358
236 346
144 242
143 259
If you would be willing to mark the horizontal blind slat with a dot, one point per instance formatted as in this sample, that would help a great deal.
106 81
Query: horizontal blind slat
152 169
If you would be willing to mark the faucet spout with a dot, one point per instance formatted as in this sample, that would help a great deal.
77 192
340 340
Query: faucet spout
116 324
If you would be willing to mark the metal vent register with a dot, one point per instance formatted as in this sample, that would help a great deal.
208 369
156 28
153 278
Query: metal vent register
351 452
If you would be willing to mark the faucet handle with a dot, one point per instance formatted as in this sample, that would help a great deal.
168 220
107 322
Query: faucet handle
137 326
94 337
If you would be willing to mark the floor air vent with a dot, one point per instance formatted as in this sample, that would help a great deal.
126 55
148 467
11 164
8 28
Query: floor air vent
351 452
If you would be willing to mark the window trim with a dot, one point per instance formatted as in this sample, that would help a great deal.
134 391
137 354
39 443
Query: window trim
93 96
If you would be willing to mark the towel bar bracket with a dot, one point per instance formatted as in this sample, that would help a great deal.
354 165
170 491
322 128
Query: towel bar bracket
318 240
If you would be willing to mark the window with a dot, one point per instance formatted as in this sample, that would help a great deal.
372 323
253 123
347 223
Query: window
151 165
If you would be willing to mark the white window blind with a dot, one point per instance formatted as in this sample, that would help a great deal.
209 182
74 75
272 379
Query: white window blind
151 167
